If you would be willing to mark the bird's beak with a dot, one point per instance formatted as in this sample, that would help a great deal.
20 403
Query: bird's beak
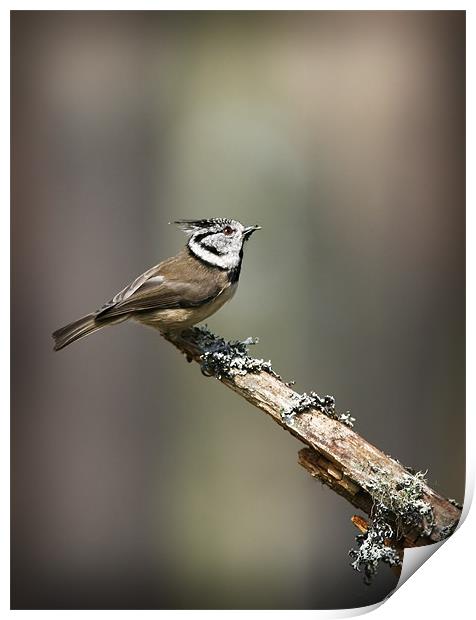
249 230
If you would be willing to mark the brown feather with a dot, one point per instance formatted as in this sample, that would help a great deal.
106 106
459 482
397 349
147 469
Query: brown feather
186 282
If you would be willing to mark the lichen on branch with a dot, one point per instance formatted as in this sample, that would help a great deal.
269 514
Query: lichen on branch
404 511
398 506
228 359
221 358
324 404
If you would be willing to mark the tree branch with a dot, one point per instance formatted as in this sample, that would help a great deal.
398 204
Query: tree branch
335 454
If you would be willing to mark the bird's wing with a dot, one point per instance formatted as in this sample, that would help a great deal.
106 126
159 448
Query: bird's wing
172 284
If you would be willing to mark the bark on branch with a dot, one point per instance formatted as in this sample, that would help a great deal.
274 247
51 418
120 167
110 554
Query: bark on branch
334 453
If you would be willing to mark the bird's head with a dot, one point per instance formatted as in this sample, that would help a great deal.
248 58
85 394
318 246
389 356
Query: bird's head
217 241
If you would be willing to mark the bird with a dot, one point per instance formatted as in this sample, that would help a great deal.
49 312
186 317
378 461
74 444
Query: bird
179 292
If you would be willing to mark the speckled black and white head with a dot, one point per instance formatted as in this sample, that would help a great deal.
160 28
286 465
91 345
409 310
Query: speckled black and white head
217 241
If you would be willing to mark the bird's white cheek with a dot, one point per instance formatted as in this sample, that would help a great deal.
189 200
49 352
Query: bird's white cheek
229 260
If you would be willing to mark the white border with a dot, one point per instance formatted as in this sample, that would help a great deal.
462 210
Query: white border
442 585
244 5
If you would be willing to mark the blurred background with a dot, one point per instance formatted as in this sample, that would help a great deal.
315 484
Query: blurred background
137 482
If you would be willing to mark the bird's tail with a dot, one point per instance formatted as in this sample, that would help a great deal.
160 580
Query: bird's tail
76 330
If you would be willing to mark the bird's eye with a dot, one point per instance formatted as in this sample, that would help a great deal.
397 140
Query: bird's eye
228 230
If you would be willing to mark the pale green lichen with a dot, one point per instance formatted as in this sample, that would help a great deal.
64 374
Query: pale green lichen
373 550
224 359
325 404
398 507
402 498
